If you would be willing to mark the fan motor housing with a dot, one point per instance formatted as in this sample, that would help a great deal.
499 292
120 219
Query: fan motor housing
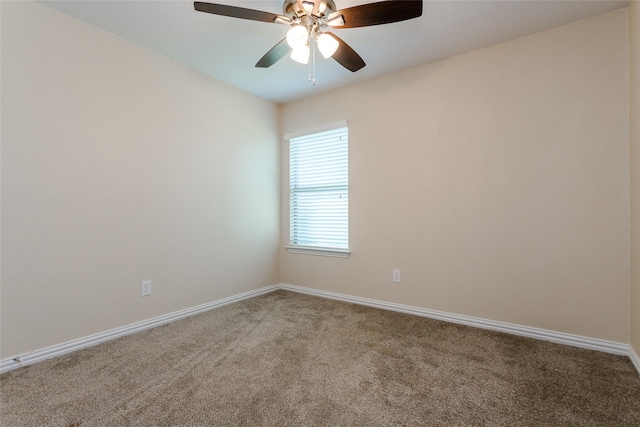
294 8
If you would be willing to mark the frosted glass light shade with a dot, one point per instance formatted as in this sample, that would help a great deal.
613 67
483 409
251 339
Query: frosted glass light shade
297 36
327 45
301 54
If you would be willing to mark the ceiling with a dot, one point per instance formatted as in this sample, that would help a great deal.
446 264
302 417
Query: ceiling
228 48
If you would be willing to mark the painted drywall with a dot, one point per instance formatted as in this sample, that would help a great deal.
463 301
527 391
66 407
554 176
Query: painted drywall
634 141
121 165
496 181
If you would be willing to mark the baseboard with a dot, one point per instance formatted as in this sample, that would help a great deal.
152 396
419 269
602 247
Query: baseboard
541 334
634 359
78 344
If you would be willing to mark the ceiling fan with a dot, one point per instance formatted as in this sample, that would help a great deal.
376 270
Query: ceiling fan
309 20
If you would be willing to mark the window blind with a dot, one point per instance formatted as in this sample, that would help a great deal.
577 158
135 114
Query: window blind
319 189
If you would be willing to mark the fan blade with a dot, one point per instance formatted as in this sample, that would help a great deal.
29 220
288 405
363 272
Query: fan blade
346 56
383 12
239 12
274 55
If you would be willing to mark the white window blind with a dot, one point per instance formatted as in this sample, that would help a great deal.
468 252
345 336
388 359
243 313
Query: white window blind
319 184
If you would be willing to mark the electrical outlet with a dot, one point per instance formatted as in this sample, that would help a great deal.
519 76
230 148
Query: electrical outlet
396 276
145 288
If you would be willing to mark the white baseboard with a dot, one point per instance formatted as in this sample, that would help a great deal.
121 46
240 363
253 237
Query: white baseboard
634 358
78 344
541 334
510 328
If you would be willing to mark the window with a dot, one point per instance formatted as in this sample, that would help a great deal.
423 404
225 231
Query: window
319 193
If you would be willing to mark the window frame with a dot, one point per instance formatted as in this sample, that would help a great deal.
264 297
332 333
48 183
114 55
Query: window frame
315 250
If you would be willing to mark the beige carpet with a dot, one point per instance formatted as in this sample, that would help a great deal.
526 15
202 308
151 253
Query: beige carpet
287 359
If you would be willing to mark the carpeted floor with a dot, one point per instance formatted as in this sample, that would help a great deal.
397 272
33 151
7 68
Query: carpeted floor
286 359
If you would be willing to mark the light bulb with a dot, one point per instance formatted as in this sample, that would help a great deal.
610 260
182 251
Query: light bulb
327 45
297 36
301 54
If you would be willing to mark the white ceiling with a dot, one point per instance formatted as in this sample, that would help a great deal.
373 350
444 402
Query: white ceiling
228 48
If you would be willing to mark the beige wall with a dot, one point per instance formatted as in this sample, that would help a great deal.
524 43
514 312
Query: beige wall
121 165
496 181
634 137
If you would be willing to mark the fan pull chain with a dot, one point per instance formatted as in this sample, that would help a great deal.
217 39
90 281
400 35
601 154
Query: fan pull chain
311 76
309 64
313 58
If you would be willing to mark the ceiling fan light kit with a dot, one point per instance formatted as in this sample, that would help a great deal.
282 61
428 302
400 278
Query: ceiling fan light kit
300 54
309 20
297 36
327 45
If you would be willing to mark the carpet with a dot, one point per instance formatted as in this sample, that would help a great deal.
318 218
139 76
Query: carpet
287 359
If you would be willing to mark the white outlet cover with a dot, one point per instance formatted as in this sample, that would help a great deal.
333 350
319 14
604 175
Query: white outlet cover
396 276
145 288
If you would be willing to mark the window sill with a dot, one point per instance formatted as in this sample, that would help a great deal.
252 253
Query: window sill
312 250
